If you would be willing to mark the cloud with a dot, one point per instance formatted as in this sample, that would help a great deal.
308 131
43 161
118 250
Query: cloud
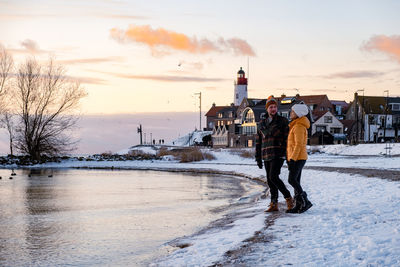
239 46
88 60
86 80
122 16
31 46
159 39
389 45
169 78
164 78
354 74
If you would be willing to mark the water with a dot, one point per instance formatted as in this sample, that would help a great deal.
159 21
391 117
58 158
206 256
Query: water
105 218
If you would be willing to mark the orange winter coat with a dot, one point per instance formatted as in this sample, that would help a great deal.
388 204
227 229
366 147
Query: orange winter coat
297 139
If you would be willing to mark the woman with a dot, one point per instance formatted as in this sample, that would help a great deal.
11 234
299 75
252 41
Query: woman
297 155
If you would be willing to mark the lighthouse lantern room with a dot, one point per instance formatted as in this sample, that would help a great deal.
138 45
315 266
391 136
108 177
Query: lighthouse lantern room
240 88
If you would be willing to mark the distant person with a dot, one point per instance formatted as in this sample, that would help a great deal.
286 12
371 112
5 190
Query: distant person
297 155
272 133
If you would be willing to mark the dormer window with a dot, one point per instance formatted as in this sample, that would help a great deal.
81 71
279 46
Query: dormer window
394 106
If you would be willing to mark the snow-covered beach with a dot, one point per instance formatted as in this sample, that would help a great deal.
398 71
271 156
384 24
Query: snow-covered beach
354 220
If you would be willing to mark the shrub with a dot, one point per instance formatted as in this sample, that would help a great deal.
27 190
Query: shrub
188 154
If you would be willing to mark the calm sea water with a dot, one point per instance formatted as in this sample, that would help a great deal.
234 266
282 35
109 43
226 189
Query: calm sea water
105 218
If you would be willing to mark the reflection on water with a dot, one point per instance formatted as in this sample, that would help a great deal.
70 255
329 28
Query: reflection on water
88 217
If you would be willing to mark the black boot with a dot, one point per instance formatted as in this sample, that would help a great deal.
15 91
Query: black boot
299 204
306 203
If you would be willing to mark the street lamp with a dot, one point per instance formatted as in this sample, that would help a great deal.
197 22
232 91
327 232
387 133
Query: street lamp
323 131
386 107
356 112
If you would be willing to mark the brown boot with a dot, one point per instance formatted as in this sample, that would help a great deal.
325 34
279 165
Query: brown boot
272 207
289 203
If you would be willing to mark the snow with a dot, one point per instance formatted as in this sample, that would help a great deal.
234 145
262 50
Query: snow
362 149
355 220
190 138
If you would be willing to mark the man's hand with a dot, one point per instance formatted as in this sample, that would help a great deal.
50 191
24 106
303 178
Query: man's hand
290 164
259 163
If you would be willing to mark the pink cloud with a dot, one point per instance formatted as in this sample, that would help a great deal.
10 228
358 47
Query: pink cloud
389 45
160 38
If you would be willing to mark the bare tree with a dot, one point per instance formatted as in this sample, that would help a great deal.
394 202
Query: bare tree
7 121
6 66
45 102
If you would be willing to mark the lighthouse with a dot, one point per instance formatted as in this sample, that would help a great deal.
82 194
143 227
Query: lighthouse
240 88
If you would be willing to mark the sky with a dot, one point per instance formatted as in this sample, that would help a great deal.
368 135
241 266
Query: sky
156 56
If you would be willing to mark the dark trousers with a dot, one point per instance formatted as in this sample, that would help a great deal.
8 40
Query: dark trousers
295 175
273 169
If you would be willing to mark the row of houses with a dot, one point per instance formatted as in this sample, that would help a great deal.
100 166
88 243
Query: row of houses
365 119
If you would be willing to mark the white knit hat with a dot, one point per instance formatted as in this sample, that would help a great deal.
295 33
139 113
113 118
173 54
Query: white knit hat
300 110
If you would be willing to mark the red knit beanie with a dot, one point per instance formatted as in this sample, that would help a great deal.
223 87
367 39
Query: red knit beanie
270 100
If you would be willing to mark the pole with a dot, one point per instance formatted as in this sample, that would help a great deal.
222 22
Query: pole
356 98
363 118
200 111
199 107
356 113
386 104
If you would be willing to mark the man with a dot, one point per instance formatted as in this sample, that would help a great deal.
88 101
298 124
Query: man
272 133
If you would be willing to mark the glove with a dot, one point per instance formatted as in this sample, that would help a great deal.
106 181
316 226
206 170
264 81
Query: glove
259 163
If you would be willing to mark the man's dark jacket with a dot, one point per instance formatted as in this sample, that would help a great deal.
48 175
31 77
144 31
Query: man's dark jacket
271 138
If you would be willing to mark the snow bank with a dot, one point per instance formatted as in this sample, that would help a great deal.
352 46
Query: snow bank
360 149
190 138
355 221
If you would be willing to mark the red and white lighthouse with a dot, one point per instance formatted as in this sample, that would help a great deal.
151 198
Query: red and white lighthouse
240 88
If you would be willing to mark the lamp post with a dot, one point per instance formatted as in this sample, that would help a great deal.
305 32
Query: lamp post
357 112
199 107
323 131
386 107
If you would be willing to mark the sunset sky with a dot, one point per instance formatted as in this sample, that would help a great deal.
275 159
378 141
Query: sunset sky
146 56
153 56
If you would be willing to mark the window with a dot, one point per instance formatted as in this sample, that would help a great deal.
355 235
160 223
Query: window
249 116
328 119
237 96
219 115
321 128
250 143
249 130
335 130
338 109
394 107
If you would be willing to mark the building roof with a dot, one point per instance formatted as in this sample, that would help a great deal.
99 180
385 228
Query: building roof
340 103
347 125
213 110
317 114
258 110
373 104
254 101
311 99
